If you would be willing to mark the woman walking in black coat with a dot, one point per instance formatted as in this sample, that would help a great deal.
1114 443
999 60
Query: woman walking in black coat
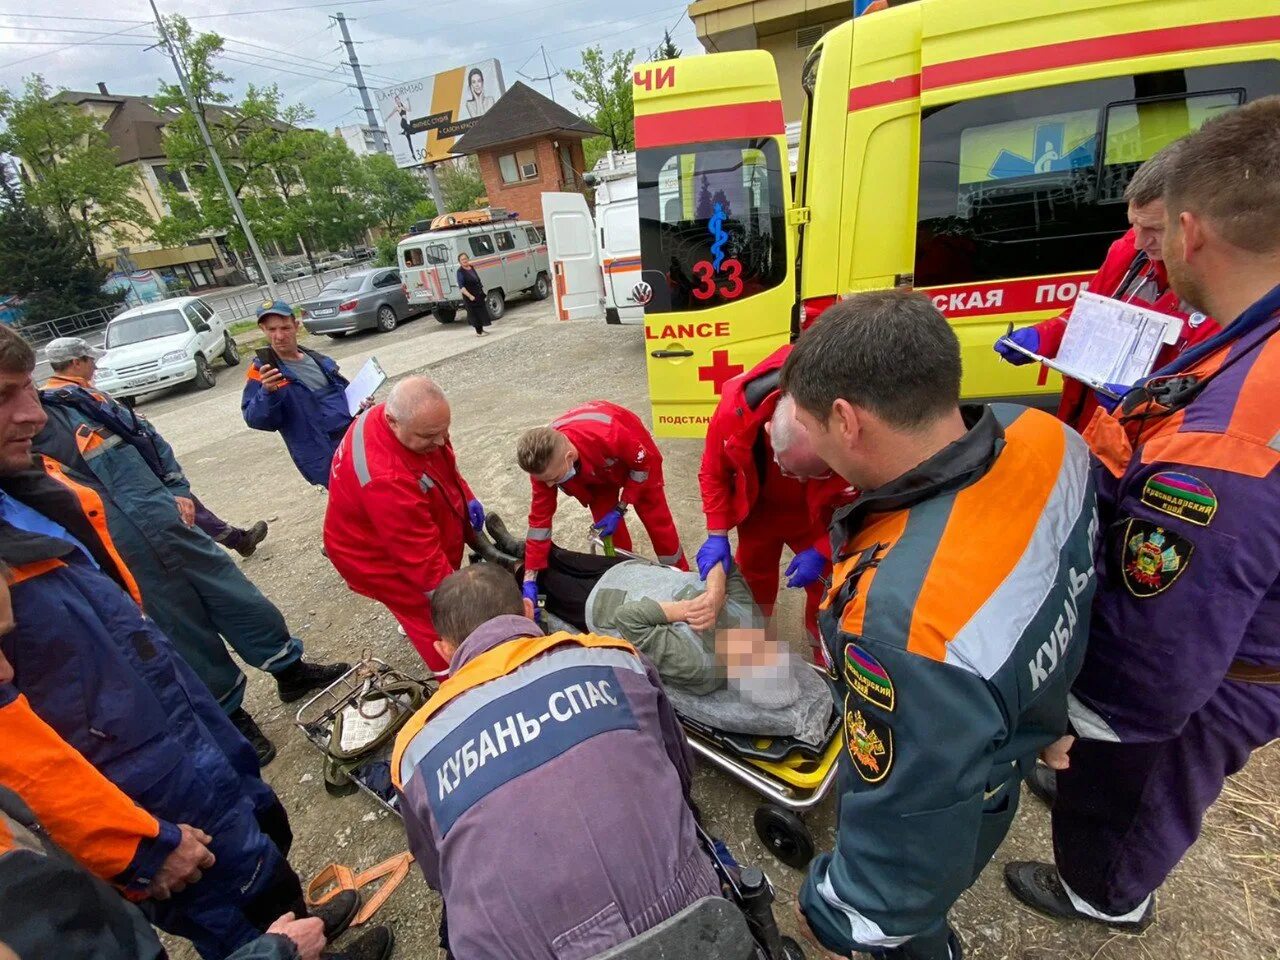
473 293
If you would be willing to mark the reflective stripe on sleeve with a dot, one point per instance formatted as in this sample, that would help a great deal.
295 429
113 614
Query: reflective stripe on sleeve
638 476
539 533
359 457
579 417
672 560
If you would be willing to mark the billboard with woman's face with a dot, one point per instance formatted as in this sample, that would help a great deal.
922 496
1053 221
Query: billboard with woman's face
423 118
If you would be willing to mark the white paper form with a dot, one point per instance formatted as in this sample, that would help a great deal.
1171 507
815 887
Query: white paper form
365 384
1110 341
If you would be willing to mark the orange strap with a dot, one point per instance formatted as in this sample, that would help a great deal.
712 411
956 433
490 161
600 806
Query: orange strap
340 878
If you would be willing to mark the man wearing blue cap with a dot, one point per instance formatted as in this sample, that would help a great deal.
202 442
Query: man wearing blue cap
299 394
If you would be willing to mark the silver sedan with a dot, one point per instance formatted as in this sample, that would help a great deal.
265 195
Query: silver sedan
366 300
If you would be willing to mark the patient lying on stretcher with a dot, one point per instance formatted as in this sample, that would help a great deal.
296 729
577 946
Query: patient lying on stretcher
708 641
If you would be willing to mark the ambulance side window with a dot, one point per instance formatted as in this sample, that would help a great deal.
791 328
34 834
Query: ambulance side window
532 234
437 253
712 219
413 257
481 245
1032 183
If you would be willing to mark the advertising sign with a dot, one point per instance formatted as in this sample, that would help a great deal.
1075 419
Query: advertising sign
423 118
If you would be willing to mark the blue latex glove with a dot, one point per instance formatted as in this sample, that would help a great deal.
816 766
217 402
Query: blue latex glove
530 591
475 513
715 550
607 524
1028 338
806 568
1106 402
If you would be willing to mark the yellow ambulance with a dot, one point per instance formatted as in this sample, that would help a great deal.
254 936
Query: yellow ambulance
976 150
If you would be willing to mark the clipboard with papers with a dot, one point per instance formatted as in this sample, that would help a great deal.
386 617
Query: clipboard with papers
1108 342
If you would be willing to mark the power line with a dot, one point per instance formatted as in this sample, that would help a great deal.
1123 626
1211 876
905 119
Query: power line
305 6
51 43
71 46
50 16
268 66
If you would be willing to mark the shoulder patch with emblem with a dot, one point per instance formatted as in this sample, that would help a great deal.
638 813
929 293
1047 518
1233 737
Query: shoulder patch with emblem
868 678
1181 495
1152 558
870 744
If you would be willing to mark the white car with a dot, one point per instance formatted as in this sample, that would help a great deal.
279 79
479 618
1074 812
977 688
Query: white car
163 344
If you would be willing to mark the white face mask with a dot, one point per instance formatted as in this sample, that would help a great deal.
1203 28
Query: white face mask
569 475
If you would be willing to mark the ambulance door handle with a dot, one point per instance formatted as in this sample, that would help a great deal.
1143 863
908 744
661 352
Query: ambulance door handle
667 354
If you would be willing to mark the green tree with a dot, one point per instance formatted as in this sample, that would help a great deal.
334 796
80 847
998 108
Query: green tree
393 194
75 173
44 263
335 207
258 139
460 183
667 50
593 148
603 85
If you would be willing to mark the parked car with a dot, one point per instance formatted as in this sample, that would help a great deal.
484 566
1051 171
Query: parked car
363 253
331 262
163 344
364 300
509 254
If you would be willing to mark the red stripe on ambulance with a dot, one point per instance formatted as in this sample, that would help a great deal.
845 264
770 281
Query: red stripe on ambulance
1008 296
725 122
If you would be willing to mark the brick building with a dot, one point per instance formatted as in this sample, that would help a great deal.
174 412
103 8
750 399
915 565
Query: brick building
527 145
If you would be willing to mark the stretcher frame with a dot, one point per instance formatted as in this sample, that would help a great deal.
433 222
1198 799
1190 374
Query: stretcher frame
318 713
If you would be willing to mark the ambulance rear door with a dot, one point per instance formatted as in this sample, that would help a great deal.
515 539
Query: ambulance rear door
717 245
574 256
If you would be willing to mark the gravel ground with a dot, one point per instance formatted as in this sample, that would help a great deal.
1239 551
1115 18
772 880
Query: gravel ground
1223 902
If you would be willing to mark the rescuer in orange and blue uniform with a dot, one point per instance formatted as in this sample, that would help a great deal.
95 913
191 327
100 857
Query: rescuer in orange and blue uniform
1182 678
956 621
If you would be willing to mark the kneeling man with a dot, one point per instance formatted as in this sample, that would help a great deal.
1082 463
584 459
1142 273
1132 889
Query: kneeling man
545 787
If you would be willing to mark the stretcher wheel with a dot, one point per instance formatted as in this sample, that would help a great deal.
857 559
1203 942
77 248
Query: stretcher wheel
784 835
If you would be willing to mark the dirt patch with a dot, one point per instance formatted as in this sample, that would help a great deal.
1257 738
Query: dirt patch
1223 902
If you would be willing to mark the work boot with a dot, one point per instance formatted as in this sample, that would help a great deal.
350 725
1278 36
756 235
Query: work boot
376 943
338 913
264 748
1043 784
502 536
1039 887
249 539
298 679
484 548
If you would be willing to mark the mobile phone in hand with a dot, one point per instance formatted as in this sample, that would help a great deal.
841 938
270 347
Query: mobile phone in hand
266 357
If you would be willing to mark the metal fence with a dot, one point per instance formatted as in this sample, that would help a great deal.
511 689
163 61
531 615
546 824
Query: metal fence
235 305
76 325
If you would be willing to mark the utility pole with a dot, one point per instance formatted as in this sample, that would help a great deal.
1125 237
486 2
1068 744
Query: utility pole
213 154
371 118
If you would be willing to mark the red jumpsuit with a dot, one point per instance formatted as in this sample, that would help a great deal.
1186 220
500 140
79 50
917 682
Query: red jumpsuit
618 463
743 487
1122 278
396 524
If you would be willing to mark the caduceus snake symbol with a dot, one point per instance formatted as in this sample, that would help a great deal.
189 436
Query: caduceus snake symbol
716 226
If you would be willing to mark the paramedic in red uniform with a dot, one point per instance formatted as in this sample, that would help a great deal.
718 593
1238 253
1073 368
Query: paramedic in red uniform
1134 272
400 514
600 454
775 498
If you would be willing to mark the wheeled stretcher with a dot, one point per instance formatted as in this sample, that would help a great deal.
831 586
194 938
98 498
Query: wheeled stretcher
793 776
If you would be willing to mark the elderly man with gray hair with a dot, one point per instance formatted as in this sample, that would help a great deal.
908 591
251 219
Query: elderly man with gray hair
759 475
400 514
1133 272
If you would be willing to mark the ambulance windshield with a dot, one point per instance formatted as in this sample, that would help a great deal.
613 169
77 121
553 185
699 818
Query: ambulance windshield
712 222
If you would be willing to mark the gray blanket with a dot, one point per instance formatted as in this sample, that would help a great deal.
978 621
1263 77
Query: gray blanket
805 719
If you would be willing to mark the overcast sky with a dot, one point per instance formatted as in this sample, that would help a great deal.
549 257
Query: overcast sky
75 44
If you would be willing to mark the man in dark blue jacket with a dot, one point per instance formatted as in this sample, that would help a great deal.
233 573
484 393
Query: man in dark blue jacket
300 395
